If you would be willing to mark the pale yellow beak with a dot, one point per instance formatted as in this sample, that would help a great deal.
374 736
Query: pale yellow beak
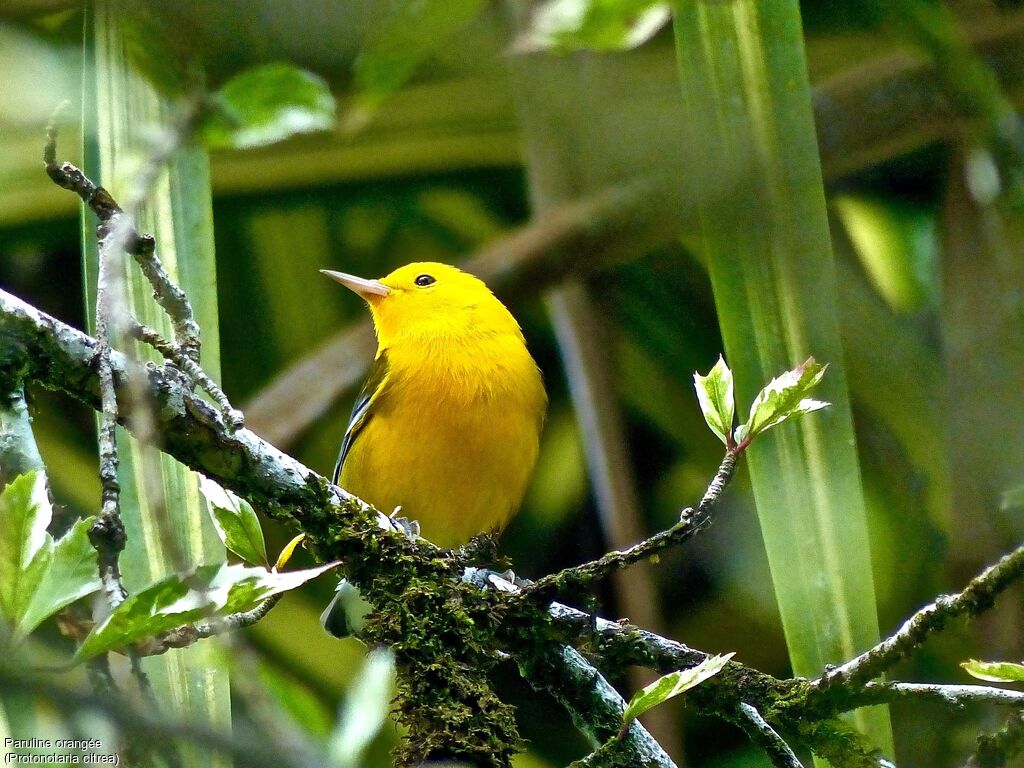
365 288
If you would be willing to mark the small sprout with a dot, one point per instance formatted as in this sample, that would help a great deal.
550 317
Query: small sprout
995 671
672 684
287 552
716 398
783 398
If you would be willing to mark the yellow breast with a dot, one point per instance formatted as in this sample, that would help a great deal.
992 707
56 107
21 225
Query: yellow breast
453 437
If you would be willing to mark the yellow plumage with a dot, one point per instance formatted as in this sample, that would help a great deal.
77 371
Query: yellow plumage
448 424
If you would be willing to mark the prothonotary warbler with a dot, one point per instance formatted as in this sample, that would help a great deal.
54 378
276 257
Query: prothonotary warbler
447 425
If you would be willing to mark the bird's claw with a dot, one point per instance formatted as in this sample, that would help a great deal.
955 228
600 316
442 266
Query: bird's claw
411 528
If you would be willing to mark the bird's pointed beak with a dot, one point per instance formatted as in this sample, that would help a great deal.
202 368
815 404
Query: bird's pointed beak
366 288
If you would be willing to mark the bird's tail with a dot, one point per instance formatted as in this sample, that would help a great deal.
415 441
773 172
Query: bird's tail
346 613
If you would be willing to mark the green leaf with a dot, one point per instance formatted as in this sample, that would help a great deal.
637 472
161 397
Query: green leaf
784 398
236 523
672 684
995 671
37 577
68 574
210 590
268 104
365 710
412 32
600 25
716 398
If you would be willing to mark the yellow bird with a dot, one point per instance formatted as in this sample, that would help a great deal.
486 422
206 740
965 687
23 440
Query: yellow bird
447 425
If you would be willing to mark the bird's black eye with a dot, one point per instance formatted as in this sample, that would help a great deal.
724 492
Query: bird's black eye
424 280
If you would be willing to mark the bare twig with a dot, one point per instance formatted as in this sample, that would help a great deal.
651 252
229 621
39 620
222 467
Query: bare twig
691 522
107 534
175 354
977 596
766 737
123 235
18 450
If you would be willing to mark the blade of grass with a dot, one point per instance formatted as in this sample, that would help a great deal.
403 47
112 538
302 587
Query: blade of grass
744 80
120 107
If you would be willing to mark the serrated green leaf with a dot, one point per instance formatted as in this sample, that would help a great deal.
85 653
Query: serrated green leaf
716 398
210 590
236 523
784 397
995 671
66 573
412 32
365 710
672 684
38 577
267 104
598 25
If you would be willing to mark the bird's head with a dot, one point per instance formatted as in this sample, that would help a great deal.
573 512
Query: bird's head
426 301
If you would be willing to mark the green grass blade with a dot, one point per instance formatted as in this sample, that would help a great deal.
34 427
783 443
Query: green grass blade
765 231
120 107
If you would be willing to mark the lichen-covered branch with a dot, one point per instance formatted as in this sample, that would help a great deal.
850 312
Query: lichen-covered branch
766 737
123 235
18 450
977 596
107 534
176 354
951 695
596 708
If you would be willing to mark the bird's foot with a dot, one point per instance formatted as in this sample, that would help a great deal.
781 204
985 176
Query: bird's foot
411 528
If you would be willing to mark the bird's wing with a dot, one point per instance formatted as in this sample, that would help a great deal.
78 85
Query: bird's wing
363 408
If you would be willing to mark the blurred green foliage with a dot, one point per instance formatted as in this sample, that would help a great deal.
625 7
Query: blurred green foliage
434 173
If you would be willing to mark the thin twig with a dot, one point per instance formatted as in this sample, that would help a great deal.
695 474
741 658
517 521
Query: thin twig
189 634
951 695
691 522
977 596
175 354
124 235
107 534
766 737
